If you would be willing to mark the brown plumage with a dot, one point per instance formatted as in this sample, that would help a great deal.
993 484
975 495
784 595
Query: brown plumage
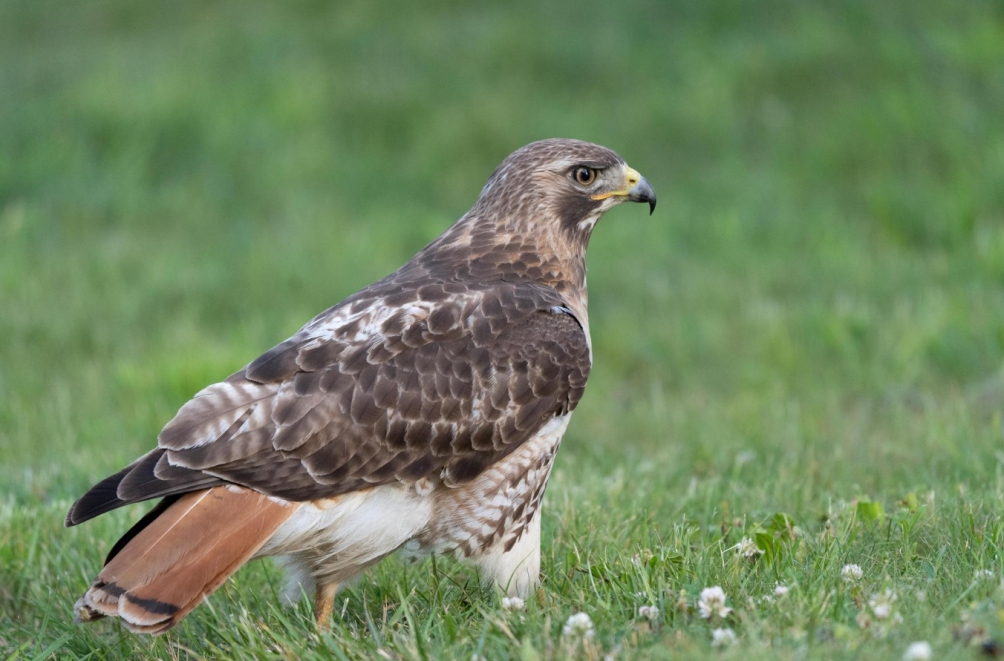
423 411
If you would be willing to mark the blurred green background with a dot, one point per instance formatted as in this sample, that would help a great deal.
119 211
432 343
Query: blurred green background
820 292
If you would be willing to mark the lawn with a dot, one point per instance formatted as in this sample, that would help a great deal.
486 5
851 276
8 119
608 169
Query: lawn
803 347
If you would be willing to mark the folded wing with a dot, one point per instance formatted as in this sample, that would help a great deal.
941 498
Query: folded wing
388 388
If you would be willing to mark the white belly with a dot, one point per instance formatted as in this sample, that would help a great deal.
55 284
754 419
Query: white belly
337 538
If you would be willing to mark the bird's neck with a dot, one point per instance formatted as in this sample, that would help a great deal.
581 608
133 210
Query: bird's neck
544 254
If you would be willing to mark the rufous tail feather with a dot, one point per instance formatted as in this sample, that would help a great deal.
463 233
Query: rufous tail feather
182 556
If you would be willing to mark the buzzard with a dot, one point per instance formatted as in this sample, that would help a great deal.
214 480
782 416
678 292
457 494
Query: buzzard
423 412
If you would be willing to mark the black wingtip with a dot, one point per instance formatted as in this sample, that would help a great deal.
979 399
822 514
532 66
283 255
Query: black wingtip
133 484
102 497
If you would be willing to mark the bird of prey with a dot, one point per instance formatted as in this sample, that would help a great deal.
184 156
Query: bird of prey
422 412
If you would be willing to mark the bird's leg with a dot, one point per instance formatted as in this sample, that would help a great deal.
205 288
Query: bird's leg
324 603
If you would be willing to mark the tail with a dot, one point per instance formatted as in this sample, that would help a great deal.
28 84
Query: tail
177 556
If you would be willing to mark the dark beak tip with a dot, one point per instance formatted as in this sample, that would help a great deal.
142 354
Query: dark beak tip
651 206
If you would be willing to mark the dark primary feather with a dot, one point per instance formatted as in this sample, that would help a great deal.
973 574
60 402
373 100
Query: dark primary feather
136 482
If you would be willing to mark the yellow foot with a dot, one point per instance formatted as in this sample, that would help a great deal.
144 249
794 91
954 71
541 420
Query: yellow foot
324 604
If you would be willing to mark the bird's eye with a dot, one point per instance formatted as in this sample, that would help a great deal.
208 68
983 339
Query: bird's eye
584 176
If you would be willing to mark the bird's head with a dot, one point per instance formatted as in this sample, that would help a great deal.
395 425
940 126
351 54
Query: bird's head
569 183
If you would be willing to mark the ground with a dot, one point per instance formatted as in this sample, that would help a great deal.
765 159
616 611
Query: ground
804 346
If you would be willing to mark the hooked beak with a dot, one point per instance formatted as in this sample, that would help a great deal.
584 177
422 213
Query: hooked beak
643 192
636 189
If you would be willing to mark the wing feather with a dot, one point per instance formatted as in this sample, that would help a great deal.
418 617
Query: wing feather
371 392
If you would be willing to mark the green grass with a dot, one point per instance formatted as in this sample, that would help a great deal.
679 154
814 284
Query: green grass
813 320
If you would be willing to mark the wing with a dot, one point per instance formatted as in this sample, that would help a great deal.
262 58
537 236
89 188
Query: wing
398 387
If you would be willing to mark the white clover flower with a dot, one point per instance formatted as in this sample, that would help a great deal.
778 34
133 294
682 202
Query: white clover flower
712 602
851 573
882 603
747 548
649 612
780 590
513 604
722 637
984 574
919 651
579 625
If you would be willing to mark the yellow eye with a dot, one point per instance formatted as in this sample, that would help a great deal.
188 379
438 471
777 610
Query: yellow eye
584 176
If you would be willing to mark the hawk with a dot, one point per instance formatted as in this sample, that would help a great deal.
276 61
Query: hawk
422 412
